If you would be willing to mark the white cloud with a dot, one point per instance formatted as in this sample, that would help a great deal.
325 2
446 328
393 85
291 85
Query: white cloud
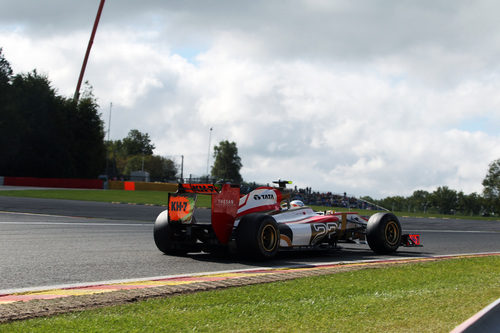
379 99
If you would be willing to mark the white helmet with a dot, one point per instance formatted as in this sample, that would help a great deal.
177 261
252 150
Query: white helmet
296 203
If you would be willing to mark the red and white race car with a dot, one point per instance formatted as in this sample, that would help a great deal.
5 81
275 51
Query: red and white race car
263 222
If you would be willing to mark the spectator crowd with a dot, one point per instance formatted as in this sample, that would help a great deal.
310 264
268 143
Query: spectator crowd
329 199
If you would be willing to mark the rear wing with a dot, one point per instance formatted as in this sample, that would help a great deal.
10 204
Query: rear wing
181 206
198 188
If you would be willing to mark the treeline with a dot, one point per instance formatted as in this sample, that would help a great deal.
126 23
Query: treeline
448 201
134 153
443 201
43 134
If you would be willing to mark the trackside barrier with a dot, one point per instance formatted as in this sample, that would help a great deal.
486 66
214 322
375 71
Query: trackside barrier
129 186
54 182
116 185
141 186
87 184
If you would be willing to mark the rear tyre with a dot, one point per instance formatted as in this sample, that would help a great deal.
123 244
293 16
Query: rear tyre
383 233
257 237
165 237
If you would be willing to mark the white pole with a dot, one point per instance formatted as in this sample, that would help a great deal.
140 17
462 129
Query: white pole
208 154
182 169
109 144
109 122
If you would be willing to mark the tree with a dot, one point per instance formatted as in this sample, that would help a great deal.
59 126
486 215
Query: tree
444 199
227 163
5 70
116 158
491 186
396 203
469 204
137 143
88 150
6 111
127 155
159 168
420 200
46 135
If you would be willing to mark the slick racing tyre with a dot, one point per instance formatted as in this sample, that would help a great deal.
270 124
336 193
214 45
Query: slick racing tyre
383 233
257 237
168 238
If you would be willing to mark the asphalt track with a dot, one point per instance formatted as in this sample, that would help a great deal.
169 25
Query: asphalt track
46 242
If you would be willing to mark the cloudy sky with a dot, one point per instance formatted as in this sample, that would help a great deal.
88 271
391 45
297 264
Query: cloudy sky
369 97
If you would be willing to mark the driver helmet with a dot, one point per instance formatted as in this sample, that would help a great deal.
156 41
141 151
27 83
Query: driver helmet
296 203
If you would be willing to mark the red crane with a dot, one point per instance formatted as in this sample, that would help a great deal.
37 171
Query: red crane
91 41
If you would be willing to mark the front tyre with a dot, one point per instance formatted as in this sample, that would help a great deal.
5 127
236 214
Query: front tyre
383 233
257 237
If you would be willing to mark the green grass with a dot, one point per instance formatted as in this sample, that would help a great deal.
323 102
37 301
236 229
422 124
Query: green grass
137 197
422 297
160 198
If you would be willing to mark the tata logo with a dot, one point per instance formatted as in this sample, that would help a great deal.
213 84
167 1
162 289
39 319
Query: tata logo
263 197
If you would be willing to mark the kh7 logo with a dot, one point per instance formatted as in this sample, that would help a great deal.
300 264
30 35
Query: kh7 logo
202 188
177 206
180 209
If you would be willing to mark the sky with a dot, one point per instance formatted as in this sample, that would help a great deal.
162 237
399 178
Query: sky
375 98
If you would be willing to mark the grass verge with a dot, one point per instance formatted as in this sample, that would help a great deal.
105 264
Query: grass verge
136 197
423 297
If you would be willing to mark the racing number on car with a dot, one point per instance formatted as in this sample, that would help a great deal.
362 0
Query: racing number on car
320 230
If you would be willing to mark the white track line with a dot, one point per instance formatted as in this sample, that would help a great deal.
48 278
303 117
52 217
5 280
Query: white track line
38 214
455 231
472 320
93 224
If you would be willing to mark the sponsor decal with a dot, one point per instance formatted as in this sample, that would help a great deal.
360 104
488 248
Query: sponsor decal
264 196
180 208
199 188
261 199
224 202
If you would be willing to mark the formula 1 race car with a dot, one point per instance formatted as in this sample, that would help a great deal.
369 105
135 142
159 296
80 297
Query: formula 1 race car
265 221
